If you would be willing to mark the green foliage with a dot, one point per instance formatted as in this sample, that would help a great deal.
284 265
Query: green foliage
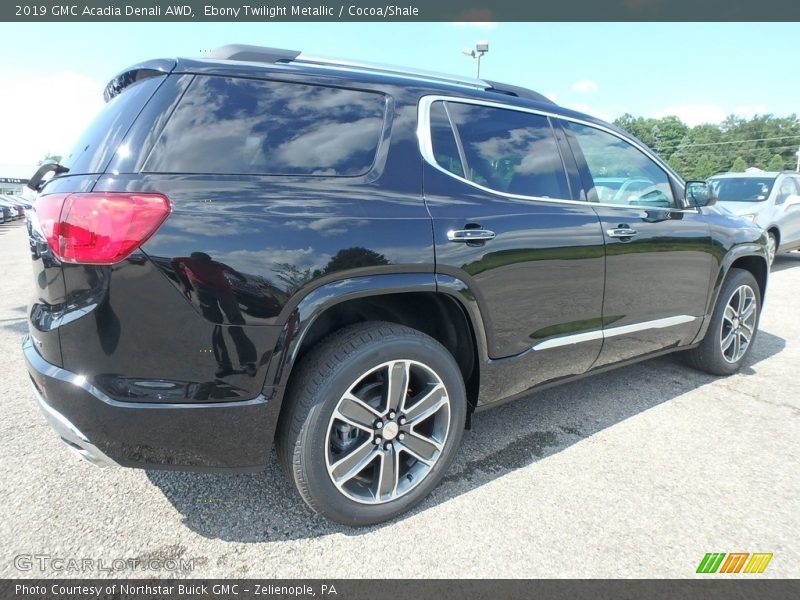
739 165
733 145
50 158
776 163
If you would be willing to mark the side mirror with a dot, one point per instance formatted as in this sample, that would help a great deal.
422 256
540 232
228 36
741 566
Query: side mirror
699 193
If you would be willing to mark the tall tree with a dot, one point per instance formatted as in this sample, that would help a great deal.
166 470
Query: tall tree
739 165
776 163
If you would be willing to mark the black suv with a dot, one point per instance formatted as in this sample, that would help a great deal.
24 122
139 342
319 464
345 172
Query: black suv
353 259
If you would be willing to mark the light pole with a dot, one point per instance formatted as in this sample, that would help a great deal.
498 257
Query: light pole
481 48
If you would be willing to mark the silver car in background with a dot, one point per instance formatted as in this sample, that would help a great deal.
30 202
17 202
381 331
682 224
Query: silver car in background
770 199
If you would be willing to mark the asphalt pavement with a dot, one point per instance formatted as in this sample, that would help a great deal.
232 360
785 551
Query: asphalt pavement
638 472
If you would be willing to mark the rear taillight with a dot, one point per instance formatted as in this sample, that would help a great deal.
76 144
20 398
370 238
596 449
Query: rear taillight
99 228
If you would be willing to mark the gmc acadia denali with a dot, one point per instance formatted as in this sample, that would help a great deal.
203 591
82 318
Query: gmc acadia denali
352 259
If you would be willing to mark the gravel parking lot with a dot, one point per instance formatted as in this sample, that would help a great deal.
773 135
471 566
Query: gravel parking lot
634 473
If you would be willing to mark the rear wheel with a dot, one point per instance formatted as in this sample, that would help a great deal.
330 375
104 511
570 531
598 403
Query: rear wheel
733 326
373 418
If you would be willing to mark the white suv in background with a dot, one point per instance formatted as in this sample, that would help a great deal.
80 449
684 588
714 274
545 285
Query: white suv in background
770 199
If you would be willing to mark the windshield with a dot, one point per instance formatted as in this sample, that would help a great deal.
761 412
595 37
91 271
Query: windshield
742 189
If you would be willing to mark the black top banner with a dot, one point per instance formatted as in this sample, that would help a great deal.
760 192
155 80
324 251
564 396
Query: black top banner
403 10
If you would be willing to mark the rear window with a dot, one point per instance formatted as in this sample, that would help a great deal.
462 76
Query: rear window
96 146
742 189
226 125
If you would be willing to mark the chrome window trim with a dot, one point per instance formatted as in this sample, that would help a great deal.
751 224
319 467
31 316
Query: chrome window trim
599 334
426 148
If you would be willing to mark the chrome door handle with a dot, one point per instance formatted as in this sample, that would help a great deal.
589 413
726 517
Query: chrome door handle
470 235
621 232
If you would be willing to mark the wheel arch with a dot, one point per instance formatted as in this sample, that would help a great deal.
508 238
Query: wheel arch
749 257
777 231
405 298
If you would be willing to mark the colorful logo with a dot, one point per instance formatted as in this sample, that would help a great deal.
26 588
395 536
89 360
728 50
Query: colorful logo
716 562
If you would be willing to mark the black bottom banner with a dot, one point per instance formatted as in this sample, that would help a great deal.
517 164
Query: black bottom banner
394 589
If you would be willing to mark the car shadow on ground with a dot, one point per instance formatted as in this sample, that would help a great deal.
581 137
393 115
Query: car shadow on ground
11 225
19 326
785 261
264 508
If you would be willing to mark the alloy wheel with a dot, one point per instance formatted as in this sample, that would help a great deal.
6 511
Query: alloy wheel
738 323
772 247
387 431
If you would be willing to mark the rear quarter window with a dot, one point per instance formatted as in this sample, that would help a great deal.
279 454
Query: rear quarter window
227 125
96 146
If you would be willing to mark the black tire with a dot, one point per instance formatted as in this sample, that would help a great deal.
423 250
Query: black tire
315 390
773 243
708 356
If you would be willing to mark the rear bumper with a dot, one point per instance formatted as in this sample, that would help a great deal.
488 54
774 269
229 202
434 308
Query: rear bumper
221 436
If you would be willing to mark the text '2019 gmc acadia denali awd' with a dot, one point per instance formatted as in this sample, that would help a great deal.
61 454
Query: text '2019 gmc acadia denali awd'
353 259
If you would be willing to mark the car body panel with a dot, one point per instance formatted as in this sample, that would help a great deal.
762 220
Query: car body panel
179 355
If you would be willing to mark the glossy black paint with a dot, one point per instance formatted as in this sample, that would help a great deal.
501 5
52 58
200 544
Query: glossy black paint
214 308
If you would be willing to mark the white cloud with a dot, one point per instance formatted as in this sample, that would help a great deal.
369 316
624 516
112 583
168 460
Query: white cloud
584 85
590 110
694 114
46 114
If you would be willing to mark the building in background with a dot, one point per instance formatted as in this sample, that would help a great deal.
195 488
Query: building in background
12 185
14 177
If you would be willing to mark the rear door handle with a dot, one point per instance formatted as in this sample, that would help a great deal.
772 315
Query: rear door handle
470 235
621 232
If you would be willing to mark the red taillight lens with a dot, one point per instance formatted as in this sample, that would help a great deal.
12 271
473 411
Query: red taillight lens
99 228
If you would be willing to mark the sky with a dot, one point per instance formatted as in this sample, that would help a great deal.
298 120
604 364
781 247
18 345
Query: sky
54 74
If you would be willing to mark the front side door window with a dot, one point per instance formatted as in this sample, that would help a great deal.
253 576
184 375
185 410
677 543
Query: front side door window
621 173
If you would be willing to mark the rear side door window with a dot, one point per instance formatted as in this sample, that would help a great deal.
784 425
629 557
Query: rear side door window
621 173
229 125
504 150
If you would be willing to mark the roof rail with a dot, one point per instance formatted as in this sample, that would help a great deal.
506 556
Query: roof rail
519 92
248 53
254 53
245 52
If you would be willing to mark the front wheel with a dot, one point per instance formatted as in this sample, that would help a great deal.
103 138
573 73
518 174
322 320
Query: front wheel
373 418
772 246
733 326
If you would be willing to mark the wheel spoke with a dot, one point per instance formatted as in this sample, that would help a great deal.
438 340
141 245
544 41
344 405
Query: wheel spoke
351 465
730 314
742 299
743 342
748 309
397 385
356 412
727 340
736 348
423 408
421 447
388 474
745 333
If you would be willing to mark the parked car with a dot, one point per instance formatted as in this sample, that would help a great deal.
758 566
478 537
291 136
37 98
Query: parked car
769 199
16 211
354 259
5 214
